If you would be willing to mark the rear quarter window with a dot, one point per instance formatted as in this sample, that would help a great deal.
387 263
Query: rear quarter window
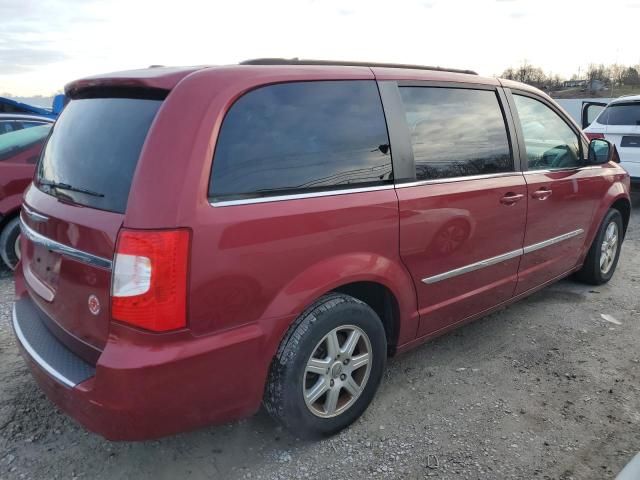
302 137
621 114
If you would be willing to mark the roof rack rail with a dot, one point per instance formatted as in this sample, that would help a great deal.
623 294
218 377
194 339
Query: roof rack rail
298 61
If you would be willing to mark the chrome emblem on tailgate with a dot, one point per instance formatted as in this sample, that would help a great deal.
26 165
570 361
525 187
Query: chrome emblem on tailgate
94 304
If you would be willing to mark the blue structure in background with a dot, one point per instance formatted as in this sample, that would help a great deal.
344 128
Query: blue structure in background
11 106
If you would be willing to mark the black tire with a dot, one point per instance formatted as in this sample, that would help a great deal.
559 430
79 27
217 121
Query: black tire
284 396
8 238
591 272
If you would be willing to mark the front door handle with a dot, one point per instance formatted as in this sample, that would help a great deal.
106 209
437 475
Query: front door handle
511 198
542 194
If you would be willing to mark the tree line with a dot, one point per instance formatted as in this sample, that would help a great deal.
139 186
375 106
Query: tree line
615 74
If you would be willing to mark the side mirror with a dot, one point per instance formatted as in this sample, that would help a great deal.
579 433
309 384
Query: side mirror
602 151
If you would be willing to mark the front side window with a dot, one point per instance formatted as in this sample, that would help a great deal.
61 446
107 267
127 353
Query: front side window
456 132
621 114
302 137
549 141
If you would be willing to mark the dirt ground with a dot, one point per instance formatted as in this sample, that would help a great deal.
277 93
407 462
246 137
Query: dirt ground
544 389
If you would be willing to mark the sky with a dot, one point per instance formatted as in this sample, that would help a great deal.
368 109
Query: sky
46 43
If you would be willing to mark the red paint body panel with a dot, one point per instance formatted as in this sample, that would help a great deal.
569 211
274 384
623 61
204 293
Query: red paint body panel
254 268
149 386
15 175
575 196
60 285
449 225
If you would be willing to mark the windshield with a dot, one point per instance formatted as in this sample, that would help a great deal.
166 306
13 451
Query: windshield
15 142
94 147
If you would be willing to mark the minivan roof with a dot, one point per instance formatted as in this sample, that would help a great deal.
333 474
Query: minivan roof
166 78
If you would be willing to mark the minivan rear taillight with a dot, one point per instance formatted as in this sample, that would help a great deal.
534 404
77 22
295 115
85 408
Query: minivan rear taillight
149 284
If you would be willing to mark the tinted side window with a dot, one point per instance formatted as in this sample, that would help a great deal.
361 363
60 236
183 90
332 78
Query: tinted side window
6 127
549 141
31 124
17 141
621 114
456 132
300 137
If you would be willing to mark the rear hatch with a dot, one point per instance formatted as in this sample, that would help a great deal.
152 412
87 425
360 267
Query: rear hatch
622 127
75 208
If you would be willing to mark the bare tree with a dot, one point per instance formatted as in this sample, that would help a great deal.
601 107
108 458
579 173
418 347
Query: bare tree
615 74
630 76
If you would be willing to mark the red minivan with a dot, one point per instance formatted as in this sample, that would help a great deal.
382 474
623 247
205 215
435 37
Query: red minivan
201 241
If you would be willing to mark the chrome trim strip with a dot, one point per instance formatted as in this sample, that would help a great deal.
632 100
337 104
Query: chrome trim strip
34 355
457 179
501 258
65 250
35 216
552 241
560 170
473 267
297 196
328 193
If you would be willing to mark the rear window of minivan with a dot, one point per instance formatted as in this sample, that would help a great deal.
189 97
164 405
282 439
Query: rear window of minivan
93 150
302 137
621 114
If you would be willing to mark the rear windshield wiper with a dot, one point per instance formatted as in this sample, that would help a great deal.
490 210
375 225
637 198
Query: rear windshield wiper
66 186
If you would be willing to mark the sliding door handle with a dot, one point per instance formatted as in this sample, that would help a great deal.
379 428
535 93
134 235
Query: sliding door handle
542 194
511 198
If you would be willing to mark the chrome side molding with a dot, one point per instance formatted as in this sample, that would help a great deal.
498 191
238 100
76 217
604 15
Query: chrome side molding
63 249
501 258
297 196
436 181
552 241
473 267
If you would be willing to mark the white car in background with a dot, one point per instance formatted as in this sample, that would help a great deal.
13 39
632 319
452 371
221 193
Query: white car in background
619 123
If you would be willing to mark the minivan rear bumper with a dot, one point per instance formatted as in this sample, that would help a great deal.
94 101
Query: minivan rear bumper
146 386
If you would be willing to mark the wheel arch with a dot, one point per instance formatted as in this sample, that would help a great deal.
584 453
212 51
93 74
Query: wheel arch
382 301
617 196
5 223
7 217
365 276
623 205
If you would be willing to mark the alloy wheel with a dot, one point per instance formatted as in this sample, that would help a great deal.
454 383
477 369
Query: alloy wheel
16 247
609 247
337 371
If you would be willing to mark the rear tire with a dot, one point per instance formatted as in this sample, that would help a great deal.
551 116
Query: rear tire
327 368
602 259
9 239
